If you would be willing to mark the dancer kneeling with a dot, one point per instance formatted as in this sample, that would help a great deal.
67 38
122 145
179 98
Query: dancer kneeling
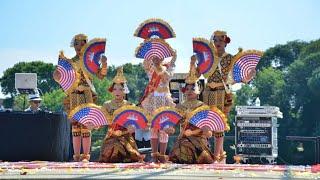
192 144
119 145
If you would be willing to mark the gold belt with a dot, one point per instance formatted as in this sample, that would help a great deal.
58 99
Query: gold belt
215 85
162 89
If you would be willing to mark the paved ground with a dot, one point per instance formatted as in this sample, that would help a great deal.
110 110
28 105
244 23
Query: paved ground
55 170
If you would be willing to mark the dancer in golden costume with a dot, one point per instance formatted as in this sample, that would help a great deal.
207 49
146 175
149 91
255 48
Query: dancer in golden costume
191 146
217 91
119 145
83 92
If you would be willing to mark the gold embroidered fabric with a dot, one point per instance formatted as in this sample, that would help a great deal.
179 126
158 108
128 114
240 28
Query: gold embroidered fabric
188 106
117 149
112 105
122 149
226 66
82 94
193 149
214 97
153 102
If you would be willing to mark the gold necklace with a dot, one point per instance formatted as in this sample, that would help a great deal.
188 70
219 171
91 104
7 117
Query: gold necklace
191 104
118 104
159 69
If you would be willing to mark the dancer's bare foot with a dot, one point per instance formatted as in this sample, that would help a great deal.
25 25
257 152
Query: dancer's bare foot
155 157
76 157
163 158
85 157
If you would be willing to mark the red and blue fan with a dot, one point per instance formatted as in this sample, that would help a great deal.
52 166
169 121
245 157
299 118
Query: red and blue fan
165 117
91 53
154 28
154 48
90 114
205 52
68 75
130 115
244 62
213 119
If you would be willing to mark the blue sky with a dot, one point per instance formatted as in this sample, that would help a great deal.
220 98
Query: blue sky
37 30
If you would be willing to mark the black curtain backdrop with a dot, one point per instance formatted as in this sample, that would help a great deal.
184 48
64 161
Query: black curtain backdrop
29 137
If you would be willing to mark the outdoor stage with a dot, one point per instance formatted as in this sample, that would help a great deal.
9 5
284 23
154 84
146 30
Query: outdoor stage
45 169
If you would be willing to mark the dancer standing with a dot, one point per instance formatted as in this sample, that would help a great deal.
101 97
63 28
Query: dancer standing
84 92
217 91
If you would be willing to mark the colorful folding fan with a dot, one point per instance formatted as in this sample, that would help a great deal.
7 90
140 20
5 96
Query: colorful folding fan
68 75
130 115
154 28
154 48
212 118
206 55
91 53
244 62
164 117
90 114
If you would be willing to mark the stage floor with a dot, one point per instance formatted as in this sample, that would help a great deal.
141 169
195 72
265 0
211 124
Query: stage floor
54 170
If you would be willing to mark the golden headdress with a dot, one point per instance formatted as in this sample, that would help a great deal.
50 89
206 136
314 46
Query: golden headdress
119 78
192 76
219 33
78 37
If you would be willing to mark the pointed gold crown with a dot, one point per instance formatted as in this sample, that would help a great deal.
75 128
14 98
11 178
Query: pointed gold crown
78 37
81 37
192 76
219 33
119 78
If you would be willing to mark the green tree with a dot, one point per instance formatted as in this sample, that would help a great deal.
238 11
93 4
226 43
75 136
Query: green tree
44 76
20 102
245 96
314 82
8 102
281 56
310 48
53 101
288 77
136 79
301 81
269 85
101 87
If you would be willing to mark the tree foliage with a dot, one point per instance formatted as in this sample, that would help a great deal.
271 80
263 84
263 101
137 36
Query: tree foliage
281 56
269 86
245 96
21 102
101 87
314 82
44 76
289 77
53 101
136 79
